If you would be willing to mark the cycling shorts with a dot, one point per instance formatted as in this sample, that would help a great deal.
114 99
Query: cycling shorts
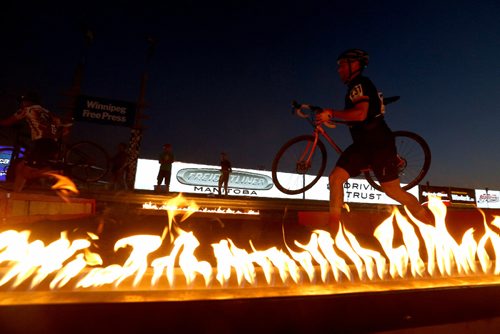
381 159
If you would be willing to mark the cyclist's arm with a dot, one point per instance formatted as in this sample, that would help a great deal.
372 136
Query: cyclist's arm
358 113
8 121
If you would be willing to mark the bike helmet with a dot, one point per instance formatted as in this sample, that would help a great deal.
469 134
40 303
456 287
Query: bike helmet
355 54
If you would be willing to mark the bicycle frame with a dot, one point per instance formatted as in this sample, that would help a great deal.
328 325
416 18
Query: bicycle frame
318 130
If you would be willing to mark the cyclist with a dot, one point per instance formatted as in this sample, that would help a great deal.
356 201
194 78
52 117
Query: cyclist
373 142
44 127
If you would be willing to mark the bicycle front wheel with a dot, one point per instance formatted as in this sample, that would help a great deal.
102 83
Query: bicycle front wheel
298 165
414 160
86 161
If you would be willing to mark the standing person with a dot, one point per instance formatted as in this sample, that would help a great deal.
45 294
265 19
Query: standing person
225 170
373 141
166 159
44 126
119 164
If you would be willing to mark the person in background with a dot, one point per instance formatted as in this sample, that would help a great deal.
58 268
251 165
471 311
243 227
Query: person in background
373 141
225 170
166 159
44 127
119 163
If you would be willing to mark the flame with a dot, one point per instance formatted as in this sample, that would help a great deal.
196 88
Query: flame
168 207
323 258
64 187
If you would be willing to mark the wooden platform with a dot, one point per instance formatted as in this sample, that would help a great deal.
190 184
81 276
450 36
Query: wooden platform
30 207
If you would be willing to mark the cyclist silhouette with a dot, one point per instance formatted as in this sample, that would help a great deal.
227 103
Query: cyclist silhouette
373 141
44 126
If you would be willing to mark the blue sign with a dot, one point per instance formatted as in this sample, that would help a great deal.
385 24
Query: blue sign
5 160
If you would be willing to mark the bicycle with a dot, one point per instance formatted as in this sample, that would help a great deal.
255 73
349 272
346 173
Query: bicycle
84 161
301 161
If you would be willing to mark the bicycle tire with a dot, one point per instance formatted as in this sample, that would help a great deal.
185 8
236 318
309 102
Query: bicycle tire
289 174
416 160
86 161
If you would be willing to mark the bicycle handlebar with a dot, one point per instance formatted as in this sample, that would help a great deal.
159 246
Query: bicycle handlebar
298 108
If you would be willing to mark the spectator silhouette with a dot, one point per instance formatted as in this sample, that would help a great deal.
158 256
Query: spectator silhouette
225 170
165 159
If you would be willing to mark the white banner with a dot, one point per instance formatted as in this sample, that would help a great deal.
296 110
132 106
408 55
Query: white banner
203 179
488 199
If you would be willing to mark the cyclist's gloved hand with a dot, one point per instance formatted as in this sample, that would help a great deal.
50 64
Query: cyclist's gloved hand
323 116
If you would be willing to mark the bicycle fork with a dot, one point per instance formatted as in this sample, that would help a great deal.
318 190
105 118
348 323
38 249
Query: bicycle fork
304 162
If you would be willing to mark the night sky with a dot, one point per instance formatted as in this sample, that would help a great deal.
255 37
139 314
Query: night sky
223 74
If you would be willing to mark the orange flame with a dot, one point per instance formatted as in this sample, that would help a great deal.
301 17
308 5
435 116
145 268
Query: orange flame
168 207
64 187
324 257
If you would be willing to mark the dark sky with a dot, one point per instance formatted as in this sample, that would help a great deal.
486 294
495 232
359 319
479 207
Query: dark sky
223 73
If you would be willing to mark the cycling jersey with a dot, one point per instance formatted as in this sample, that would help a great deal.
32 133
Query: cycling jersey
42 123
373 131
373 142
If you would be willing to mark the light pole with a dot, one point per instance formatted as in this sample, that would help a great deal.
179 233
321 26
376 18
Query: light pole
76 85
137 129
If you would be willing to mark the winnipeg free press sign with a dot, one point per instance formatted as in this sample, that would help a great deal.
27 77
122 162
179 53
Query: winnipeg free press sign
105 111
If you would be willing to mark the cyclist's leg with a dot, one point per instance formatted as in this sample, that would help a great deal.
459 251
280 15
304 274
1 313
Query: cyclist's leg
393 190
20 176
337 179
384 164
350 164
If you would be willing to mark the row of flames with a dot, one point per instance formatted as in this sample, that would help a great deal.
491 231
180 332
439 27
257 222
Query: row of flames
63 261
227 211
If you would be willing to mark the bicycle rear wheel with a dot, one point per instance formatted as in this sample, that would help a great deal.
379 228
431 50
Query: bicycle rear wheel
291 172
414 160
86 161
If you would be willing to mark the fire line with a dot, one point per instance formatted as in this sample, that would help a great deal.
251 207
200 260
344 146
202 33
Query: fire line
323 265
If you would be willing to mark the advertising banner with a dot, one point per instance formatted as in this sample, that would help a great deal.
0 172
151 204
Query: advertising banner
442 192
463 196
204 179
105 111
488 199
449 195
